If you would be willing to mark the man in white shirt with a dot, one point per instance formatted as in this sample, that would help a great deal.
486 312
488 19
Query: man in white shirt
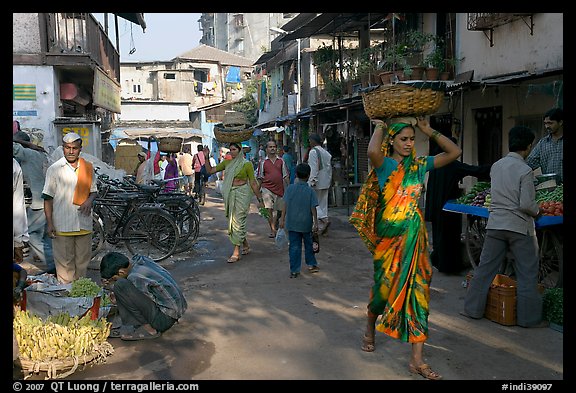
69 190
320 180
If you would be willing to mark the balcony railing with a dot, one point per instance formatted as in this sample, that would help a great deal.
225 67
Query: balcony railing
81 34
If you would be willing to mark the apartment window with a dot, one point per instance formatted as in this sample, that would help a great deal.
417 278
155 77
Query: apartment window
137 89
170 76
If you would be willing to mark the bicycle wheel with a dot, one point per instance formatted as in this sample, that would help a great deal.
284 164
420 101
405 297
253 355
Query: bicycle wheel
550 273
152 233
98 236
475 232
186 213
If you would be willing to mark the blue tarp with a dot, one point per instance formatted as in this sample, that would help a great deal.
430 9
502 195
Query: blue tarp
233 75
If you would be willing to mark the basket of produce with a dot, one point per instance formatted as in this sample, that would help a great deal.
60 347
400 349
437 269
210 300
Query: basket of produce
235 119
232 134
170 144
398 100
59 344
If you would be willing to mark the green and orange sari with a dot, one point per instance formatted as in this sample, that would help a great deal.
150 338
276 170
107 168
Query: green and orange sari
391 225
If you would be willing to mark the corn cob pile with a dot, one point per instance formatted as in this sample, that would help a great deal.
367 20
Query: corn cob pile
59 337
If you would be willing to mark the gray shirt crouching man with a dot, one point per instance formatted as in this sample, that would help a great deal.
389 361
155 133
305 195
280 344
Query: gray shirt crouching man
143 317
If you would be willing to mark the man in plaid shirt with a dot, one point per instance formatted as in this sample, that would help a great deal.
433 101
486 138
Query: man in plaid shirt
548 153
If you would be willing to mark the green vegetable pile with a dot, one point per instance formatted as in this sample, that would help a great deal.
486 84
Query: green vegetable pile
85 287
556 195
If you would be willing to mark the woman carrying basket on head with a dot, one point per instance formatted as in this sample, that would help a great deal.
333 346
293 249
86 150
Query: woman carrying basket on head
237 188
391 224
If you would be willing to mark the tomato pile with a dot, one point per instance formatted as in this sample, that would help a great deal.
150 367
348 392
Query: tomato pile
551 202
552 208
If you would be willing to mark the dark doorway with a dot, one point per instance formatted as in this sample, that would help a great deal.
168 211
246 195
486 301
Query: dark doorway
489 134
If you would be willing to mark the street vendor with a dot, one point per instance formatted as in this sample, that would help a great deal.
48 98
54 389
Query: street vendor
148 298
548 152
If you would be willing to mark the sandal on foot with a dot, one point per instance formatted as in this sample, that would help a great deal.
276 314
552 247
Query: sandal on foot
271 235
115 333
425 371
140 334
233 258
246 251
368 344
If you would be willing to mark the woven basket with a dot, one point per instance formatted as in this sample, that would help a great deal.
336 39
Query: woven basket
401 100
170 144
62 368
235 119
232 134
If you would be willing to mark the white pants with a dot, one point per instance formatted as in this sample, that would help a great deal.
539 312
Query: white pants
322 208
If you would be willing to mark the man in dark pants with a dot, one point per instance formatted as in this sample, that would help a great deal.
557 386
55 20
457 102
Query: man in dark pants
511 227
148 299
446 226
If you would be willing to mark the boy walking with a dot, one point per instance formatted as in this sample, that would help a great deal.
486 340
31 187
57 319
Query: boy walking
299 218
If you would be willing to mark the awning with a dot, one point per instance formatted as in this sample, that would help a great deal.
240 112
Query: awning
266 56
136 18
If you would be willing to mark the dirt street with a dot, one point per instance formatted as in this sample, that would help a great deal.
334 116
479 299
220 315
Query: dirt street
250 321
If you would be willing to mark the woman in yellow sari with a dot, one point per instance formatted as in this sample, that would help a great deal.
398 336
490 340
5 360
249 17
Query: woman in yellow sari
391 224
239 184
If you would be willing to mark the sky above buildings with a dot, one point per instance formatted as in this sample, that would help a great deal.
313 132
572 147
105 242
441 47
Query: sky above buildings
167 35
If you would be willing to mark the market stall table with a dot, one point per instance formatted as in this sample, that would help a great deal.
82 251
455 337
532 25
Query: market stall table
548 230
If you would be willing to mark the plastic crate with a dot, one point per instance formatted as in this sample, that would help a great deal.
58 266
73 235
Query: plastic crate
501 302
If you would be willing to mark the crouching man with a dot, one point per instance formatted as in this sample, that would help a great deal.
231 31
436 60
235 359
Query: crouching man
148 299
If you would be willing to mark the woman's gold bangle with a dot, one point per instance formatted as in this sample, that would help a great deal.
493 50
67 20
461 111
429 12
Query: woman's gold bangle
435 135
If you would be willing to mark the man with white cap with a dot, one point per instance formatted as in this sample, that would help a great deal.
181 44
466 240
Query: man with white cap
69 190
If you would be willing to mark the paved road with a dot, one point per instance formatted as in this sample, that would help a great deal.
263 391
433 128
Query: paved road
250 321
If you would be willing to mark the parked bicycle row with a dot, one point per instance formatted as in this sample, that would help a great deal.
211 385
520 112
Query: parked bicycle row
148 220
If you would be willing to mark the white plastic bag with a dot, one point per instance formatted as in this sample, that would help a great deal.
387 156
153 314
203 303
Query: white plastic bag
281 239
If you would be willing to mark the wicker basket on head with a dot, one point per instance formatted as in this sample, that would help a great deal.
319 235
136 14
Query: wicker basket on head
170 144
232 134
235 119
401 100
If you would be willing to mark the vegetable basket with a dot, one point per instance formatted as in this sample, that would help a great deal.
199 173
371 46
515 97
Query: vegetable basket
170 144
397 100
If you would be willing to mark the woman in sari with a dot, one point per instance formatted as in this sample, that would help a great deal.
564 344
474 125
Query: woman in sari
391 225
238 185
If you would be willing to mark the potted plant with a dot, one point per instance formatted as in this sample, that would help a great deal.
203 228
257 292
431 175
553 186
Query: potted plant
367 65
434 62
450 65
416 42
325 59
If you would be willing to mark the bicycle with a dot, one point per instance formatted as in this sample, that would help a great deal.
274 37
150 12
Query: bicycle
183 208
145 228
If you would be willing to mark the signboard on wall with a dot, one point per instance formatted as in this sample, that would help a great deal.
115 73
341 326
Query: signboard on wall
89 131
106 92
